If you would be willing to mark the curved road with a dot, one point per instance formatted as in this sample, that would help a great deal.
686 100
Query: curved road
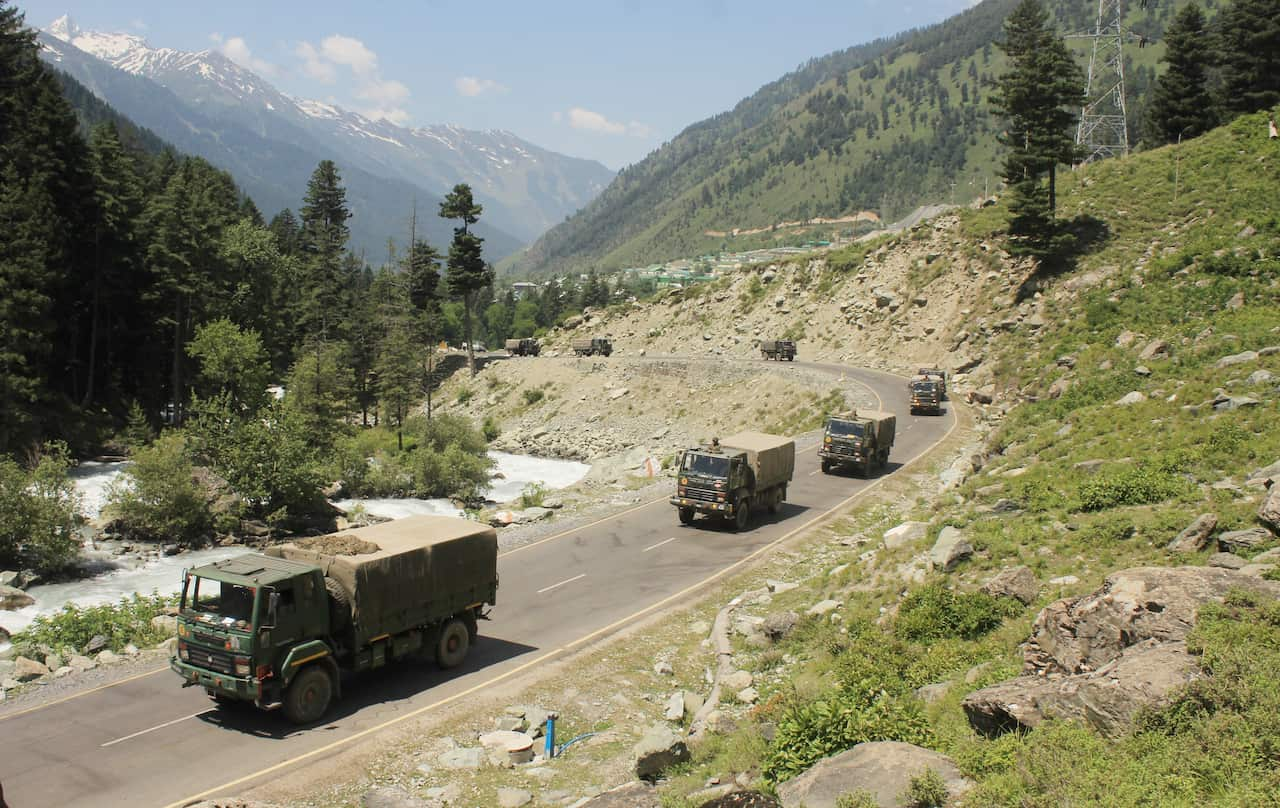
148 741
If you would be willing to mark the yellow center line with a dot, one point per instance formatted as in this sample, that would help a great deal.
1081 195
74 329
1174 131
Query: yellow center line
570 645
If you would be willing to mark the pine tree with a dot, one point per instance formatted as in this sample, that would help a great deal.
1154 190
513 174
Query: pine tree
324 235
1249 46
1181 105
468 273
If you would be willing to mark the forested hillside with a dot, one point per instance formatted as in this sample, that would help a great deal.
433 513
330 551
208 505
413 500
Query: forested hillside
883 127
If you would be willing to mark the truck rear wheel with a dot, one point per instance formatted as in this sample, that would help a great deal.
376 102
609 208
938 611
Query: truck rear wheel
775 501
453 645
309 695
686 516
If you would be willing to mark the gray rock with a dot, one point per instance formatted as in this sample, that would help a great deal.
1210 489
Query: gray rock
1233 541
777 587
883 768
1195 537
10 578
165 623
737 680
11 597
904 534
1142 370
1266 473
664 668
96 644
1269 511
950 549
1064 580
1227 561
933 693
1142 676
509 723
388 797
1260 377
1019 583
465 758
1226 403
106 658
514 797
823 607
1237 359
1081 634
26 669
779 624
675 707
1133 397
627 795
81 663
1155 349
659 749
1006 505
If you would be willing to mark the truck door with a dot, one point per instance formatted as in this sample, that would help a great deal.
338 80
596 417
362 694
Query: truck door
287 627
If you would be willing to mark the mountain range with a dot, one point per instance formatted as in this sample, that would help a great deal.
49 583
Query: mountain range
208 105
882 128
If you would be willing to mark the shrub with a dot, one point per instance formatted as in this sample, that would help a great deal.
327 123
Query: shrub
158 497
38 513
934 612
450 459
532 395
857 799
1140 484
128 621
927 790
465 394
533 495
490 429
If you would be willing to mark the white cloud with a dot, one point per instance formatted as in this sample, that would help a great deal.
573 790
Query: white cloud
471 86
237 50
345 50
314 65
139 25
580 118
383 91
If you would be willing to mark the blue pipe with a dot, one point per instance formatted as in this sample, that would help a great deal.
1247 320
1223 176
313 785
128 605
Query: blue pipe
551 737
572 741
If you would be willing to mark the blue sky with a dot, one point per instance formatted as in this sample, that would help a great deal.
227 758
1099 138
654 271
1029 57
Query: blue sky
609 80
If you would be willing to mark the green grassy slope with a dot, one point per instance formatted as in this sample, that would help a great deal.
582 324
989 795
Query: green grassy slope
883 127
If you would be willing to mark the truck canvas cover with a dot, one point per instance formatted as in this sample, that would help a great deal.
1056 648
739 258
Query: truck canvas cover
581 344
771 457
512 345
397 572
883 424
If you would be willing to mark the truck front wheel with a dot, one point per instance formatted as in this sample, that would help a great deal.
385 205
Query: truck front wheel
826 466
686 516
453 645
742 514
309 695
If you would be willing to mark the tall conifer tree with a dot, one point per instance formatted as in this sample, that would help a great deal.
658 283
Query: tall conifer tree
468 273
1181 105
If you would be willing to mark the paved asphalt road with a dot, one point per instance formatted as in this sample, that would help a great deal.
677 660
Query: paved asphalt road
148 741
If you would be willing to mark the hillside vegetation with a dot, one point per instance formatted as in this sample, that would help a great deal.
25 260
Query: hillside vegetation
883 127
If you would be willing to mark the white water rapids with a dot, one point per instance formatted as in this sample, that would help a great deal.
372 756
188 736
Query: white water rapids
125 575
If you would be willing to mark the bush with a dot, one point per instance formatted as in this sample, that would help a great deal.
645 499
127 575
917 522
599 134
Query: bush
158 497
533 495
490 429
38 513
69 630
450 459
934 612
532 396
464 395
1141 484
927 790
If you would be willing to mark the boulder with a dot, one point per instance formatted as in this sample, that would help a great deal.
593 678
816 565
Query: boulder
165 623
882 768
1077 635
466 758
950 549
627 795
1237 359
1143 676
1269 511
389 797
26 669
1132 397
96 643
779 625
659 749
514 797
1019 583
1155 349
1195 536
904 534
1234 541
674 710
823 607
12 597
737 681
742 799
1227 561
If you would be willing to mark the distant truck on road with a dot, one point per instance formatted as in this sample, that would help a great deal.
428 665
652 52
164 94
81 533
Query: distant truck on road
526 346
858 438
926 394
937 374
778 349
726 479
592 346
278 628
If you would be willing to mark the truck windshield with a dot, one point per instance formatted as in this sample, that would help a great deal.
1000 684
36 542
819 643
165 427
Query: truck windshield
923 387
844 429
225 602
708 465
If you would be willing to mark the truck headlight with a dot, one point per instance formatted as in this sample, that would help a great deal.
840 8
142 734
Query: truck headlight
827 439
242 666
183 653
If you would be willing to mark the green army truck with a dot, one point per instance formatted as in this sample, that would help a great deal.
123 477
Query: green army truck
936 374
860 439
926 395
592 347
726 479
778 349
526 346
278 628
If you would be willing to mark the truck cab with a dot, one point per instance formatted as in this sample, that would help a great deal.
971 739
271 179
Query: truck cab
710 479
926 394
935 374
858 439
248 626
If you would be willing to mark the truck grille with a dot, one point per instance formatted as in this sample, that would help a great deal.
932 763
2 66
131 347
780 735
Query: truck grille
209 659
837 448
700 494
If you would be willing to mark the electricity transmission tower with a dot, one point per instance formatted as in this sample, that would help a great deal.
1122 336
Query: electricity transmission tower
1103 130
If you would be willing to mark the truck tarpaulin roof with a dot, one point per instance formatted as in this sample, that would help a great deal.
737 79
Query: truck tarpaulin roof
771 457
390 569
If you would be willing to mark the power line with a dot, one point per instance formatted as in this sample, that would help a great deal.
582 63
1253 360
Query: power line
1103 130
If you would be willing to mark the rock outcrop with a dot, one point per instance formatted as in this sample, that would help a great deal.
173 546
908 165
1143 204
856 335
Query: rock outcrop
1018 583
660 748
1195 537
882 768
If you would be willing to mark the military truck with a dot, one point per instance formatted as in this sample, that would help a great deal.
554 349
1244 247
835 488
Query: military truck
939 375
592 346
926 394
778 349
858 438
526 346
726 479
278 628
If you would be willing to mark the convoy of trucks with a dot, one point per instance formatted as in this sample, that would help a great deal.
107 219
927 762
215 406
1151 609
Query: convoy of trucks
778 349
727 478
278 628
857 438
592 347
526 346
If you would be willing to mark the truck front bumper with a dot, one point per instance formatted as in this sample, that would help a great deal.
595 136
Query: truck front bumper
840 457
702 505
224 684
